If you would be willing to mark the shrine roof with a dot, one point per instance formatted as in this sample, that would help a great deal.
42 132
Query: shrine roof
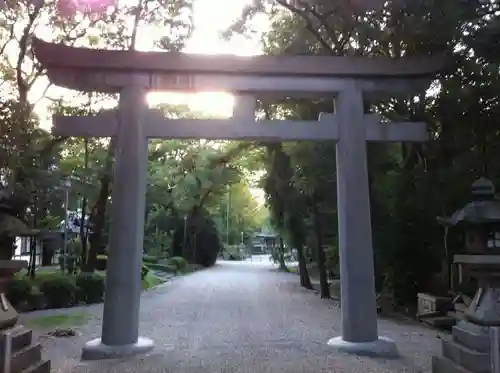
52 55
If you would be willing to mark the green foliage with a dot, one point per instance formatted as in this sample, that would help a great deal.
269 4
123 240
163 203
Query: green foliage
59 290
410 184
144 271
199 191
150 259
19 290
150 281
90 287
167 268
332 259
196 239
68 263
233 253
179 263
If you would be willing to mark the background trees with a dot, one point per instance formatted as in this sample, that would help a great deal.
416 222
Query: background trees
203 189
189 180
410 184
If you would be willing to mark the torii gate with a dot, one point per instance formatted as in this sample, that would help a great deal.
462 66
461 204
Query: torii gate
349 80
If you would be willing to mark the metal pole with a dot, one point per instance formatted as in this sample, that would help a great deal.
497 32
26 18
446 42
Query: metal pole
65 244
185 236
7 352
495 349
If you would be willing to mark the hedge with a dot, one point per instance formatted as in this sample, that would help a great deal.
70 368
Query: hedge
58 290
55 290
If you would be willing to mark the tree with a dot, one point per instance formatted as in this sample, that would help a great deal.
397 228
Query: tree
404 178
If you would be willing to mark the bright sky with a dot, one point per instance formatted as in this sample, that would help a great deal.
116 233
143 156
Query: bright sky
210 18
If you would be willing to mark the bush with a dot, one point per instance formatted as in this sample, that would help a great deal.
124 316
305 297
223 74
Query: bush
101 262
178 262
36 300
19 291
59 290
208 244
167 268
150 259
90 287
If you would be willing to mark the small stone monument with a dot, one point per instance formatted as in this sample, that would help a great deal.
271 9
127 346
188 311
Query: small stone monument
17 352
468 349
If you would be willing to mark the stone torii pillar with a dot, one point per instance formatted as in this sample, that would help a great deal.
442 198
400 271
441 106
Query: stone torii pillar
120 323
357 287
131 74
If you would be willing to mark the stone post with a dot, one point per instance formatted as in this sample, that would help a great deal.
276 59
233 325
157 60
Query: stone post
358 308
120 323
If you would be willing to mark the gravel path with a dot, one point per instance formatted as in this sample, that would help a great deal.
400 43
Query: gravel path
242 317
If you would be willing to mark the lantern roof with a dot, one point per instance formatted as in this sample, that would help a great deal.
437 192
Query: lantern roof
484 208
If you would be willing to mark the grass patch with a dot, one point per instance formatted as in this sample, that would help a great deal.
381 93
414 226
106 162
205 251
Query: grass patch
151 280
59 321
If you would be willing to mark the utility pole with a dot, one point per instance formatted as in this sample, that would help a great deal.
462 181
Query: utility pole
227 214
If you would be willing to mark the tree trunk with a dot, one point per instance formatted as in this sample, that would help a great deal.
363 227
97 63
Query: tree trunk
324 288
305 280
32 262
98 216
281 255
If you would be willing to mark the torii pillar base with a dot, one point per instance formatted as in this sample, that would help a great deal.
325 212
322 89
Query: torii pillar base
96 350
382 347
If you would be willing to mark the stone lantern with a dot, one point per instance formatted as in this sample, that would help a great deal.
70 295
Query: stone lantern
18 353
469 347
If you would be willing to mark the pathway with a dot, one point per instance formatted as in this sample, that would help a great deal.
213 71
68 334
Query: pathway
242 317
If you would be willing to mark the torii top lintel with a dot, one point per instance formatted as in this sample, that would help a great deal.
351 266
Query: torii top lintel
60 59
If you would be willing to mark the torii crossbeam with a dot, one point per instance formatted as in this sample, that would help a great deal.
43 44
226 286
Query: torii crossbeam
348 80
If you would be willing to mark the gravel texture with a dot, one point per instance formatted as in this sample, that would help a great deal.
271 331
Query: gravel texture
241 317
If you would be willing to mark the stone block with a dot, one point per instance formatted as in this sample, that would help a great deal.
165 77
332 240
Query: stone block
443 365
472 336
41 367
21 337
25 356
475 361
